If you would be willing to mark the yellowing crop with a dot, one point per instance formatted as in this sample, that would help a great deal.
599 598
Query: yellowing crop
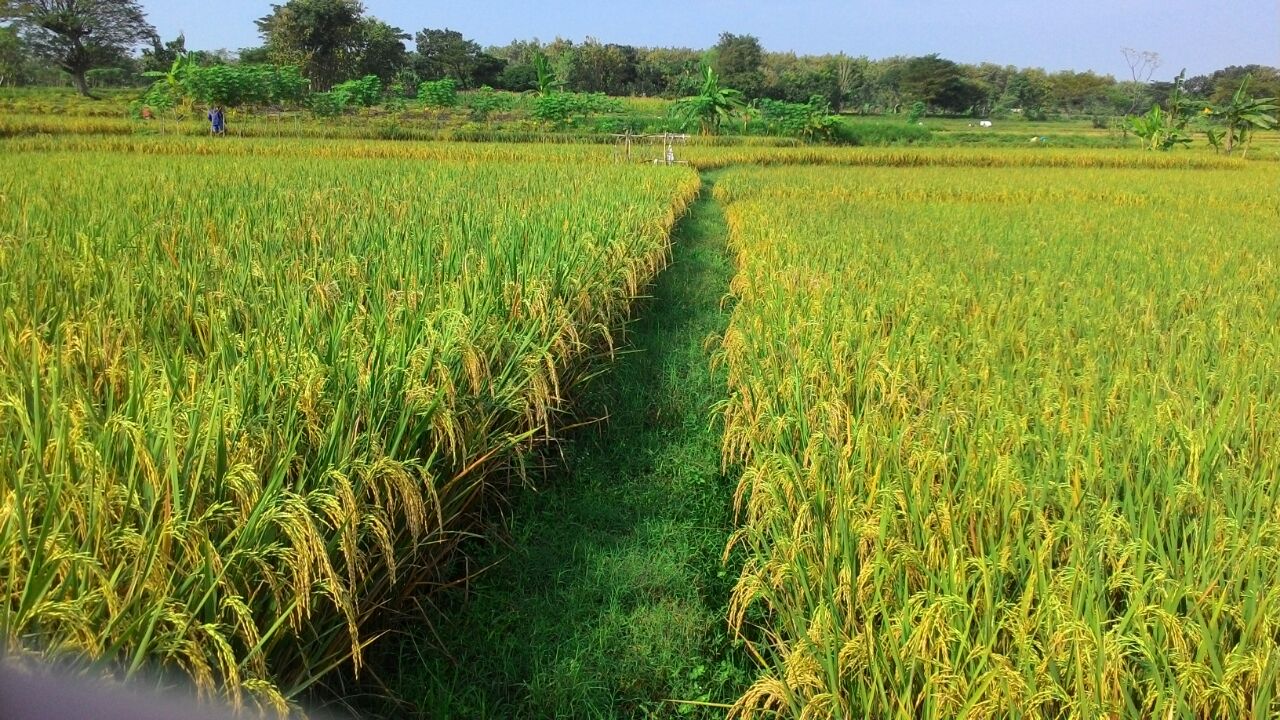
244 400
1008 440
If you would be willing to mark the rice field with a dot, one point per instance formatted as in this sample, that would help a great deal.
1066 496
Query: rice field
247 400
1002 420
1006 440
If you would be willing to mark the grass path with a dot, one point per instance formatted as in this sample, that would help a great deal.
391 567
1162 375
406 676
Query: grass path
608 597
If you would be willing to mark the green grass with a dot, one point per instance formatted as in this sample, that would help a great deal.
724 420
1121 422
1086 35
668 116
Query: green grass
608 595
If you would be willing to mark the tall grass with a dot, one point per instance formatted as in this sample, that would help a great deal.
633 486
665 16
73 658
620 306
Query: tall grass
245 402
1007 440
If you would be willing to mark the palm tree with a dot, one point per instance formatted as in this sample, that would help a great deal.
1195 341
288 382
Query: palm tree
711 106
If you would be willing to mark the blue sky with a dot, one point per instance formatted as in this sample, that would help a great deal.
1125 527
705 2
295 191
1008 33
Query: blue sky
1081 35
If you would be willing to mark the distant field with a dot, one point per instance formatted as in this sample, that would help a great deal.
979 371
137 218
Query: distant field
55 111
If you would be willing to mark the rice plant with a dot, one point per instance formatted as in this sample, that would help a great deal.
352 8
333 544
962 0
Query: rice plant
1007 440
245 401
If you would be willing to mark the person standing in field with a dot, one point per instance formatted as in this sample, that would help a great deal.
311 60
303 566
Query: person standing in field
217 121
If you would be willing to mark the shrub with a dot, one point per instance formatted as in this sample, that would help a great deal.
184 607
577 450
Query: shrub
439 93
565 109
365 92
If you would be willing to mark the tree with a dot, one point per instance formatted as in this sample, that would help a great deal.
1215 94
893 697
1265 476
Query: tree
1221 85
670 72
13 56
1142 65
159 57
1026 91
714 104
739 62
254 55
80 35
609 69
446 53
380 49
321 36
1243 114
1078 92
938 83
851 80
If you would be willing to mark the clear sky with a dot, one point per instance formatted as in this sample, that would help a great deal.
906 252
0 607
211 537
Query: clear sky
1201 36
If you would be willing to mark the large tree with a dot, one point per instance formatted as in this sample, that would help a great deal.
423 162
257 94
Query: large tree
739 63
603 68
446 53
323 37
381 49
938 83
80 35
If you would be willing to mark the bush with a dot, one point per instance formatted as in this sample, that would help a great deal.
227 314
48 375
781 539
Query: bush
327 104
486 101
226 85
568 109
365 92
878 133
439 93
811 121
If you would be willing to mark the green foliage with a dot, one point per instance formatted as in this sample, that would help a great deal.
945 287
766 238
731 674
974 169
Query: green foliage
873 133
713 104
1159 130
937 82
546 76
811 121
446 53
564 109
739 59
486 101
327 104
439 93
1240 117
80 36
917 112
236 85
321 36
226 85
365 92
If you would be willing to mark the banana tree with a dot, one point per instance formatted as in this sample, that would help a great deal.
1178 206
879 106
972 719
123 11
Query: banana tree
547 82
711 106
1242 116
169 90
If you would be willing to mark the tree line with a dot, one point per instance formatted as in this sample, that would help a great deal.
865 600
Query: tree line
336 41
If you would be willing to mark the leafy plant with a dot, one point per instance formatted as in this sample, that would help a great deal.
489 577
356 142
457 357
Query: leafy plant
548 82
566 109
486 101
1159 130
711 106
439 93
365 92
1165 129
811 121
1240 117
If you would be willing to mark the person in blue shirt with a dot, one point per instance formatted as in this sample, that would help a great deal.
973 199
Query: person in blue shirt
217 121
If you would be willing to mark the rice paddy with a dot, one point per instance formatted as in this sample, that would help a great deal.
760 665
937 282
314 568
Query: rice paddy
1000 423
245 402
1006 440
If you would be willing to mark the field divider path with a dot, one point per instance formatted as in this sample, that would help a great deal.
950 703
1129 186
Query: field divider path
607 596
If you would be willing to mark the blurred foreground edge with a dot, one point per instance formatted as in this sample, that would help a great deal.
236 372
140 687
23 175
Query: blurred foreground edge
30 691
